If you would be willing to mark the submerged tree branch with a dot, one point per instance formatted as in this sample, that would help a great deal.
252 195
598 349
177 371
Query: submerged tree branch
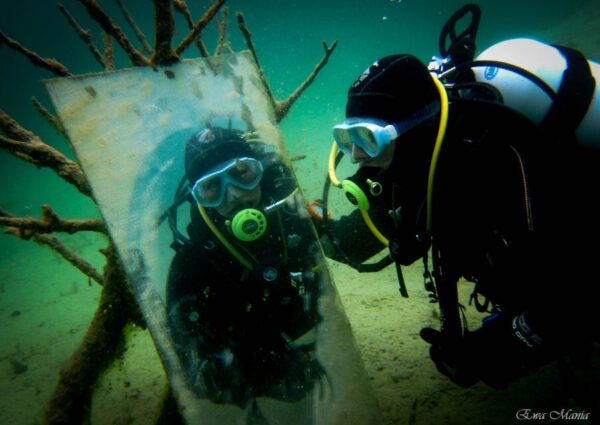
85 35
199 26
138 33
96 12
26 227
51 65
71 401
26 145
108 51
283 106
81 264
53 243
164 25
53 120
182 7
222 43
250 43
13 129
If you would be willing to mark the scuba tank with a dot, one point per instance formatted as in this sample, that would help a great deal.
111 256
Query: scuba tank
560 70
554 87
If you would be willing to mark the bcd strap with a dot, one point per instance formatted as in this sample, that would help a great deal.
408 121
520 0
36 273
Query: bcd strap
573 97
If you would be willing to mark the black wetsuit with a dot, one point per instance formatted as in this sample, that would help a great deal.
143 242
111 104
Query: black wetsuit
236 329
513 211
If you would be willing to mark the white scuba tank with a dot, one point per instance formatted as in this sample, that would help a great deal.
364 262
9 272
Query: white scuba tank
528 98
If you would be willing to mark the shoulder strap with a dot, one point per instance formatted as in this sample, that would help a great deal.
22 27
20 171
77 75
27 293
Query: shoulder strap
573 97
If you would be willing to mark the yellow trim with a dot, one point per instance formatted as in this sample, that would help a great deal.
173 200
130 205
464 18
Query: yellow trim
436 149
222 239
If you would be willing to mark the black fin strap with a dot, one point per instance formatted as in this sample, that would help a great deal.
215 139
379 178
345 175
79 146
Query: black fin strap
573 97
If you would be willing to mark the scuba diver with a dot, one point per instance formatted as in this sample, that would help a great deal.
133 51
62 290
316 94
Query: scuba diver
243 286
451 166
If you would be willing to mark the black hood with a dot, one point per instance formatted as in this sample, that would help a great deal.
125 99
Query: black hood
391 89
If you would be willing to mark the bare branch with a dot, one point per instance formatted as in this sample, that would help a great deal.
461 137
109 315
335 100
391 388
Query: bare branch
108 51
222 27
164 25
202 48
71 400
52 243
51 65
13 129
53 120
96 12
199 26
85 267
42 155
26 227
261 73
85 35
138 33
26 145
283 107
181 7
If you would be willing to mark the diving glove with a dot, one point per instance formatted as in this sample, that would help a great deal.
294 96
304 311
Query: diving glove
500 351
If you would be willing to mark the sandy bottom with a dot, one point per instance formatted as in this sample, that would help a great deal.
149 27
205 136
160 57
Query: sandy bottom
41 324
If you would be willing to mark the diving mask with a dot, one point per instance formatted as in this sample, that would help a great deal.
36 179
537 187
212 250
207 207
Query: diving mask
373 136
210 189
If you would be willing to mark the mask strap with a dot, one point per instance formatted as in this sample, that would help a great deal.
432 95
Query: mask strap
426 112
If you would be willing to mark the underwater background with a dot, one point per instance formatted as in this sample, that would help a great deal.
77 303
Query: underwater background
46 304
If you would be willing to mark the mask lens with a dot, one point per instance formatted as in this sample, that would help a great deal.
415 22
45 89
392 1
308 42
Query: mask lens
366 140
343 139
210 189
245 173
365 135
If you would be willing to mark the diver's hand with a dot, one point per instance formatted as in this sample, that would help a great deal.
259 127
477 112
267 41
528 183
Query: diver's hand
496 353
316 210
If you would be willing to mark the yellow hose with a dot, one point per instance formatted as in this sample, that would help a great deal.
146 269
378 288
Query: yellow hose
223 239
364 213
432 168
436 150
374 229
331 166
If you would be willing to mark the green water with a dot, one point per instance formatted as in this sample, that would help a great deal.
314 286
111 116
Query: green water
45 304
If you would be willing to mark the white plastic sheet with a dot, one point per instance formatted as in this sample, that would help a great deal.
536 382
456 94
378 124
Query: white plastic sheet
128 129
